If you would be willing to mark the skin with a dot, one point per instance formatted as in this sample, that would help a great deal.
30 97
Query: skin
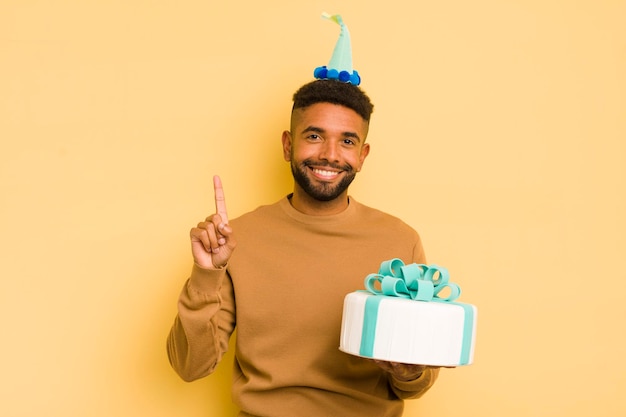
326 148
212 240
327 144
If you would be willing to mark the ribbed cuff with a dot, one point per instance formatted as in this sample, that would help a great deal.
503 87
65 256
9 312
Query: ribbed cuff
207 281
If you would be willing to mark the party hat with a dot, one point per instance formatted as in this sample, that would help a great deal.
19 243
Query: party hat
340 65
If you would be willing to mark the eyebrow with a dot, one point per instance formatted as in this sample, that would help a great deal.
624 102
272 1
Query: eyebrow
320 130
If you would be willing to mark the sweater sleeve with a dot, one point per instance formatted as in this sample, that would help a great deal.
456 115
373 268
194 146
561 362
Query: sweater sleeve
419 256
205 321
416 388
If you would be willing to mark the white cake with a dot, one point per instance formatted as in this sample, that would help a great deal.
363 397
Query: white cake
438 332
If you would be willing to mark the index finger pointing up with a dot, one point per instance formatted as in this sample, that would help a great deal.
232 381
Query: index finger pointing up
220 201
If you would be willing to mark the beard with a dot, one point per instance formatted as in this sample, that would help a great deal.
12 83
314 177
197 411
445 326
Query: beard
323 191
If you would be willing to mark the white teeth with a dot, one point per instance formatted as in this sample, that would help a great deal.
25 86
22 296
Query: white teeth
325 173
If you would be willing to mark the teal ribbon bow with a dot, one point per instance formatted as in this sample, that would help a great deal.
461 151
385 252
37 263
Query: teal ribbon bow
415 281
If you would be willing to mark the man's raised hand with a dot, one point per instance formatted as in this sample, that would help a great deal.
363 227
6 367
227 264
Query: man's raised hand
212 241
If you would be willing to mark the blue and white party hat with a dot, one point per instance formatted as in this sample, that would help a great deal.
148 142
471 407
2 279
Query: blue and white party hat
340 65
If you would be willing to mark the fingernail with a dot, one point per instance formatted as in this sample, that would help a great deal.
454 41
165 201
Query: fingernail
221 241
216 250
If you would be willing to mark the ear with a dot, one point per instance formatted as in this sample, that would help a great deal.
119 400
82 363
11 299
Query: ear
287 142
365 150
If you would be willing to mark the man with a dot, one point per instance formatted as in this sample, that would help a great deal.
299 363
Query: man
280 273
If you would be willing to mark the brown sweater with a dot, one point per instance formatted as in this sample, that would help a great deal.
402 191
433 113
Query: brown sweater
289 275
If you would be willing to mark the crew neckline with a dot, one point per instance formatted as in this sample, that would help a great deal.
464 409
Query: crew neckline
288 209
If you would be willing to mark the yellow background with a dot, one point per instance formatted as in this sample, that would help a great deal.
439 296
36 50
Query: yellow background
499 134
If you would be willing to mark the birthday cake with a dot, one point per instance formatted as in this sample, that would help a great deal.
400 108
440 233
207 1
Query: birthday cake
408 314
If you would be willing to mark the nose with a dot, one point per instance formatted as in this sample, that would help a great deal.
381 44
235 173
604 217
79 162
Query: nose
330 151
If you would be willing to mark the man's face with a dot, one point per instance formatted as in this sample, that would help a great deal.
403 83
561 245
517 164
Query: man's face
326 148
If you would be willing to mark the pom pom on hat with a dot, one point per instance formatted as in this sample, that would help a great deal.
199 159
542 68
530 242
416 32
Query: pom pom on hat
340 65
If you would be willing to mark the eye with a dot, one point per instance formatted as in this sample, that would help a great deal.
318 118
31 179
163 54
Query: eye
314 137
349 142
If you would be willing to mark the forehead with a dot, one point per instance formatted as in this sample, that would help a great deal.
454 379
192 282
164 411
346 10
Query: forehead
329 117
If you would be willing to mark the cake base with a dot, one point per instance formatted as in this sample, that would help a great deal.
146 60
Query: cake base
407 331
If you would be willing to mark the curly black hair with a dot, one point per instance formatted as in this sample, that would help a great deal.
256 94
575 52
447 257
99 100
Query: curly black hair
335 92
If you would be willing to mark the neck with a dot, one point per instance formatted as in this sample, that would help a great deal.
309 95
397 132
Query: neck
304 203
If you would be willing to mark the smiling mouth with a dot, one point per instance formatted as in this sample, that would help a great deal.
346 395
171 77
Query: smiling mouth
324 174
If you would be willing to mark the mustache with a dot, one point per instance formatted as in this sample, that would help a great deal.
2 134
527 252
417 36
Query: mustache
326 164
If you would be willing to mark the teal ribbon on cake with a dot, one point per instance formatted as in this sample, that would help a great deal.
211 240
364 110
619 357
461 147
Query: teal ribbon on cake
417 282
